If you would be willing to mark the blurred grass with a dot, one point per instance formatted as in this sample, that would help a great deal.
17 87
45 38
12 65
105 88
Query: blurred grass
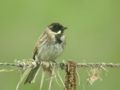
93 35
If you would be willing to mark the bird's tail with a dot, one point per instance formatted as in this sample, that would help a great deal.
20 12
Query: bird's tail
32 74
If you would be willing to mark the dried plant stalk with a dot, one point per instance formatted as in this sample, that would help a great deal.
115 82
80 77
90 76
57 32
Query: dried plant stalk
70 78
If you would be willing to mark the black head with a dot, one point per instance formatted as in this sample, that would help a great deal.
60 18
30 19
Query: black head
55 27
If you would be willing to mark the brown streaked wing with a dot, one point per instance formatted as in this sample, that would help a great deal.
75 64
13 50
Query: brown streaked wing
37 45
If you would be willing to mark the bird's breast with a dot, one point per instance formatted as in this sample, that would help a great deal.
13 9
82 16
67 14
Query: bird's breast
50 51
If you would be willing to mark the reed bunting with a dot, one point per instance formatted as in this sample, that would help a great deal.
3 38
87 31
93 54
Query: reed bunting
48 47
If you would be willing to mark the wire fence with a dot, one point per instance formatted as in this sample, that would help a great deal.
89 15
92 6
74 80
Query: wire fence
70 68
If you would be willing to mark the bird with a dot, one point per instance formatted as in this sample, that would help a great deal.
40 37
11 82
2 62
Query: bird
49 46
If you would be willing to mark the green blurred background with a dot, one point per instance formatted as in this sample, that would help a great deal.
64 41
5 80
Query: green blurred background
93 36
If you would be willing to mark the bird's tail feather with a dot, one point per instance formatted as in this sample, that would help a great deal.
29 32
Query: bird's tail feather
32 74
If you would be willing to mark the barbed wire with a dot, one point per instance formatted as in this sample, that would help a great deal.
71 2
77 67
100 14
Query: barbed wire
30 63
69 67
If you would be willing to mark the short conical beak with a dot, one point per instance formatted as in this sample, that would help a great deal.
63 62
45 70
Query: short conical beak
65 28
